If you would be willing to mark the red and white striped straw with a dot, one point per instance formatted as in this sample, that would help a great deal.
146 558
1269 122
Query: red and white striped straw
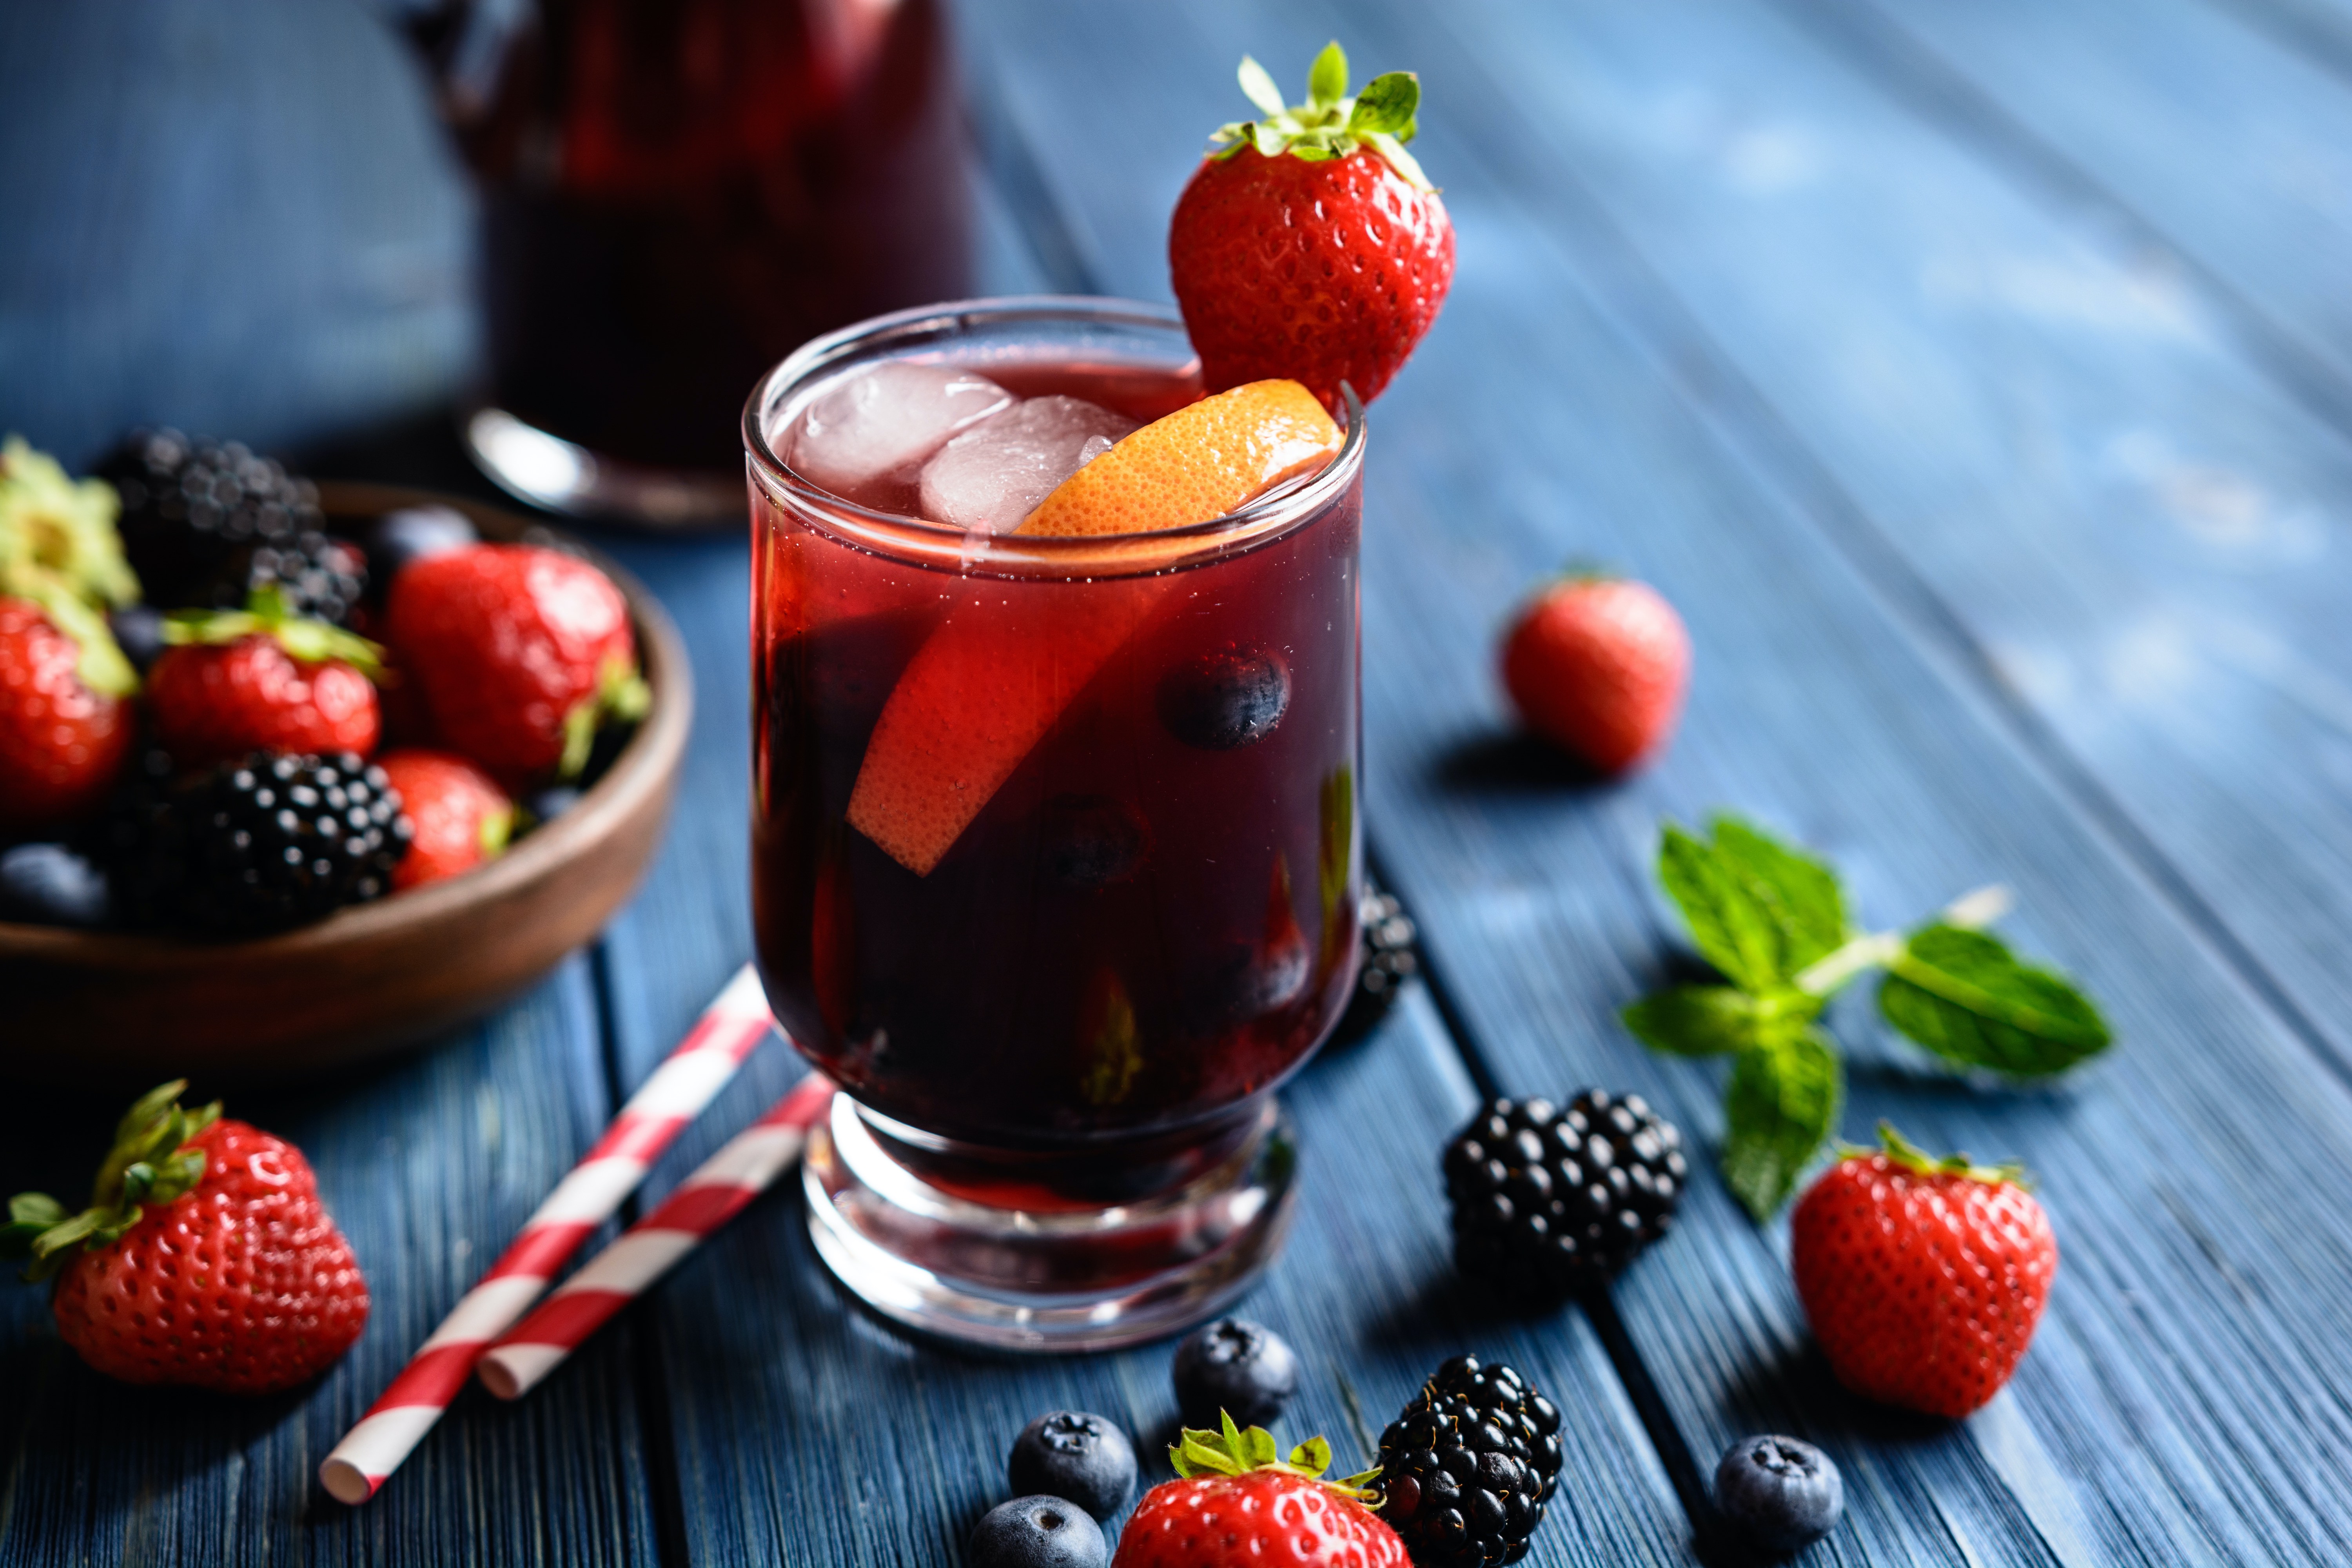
743 1168
736 1021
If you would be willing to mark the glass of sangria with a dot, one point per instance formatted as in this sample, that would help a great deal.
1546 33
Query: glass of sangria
1055 848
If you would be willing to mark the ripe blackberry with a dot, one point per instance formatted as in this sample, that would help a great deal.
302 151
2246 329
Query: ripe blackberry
206 521
254 846
1391 955
1468 1466
1547 1200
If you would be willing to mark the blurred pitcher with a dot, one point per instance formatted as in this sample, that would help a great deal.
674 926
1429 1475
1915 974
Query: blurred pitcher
675 194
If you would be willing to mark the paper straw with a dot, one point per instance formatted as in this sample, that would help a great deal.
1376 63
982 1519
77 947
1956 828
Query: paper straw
736 1021
742 1168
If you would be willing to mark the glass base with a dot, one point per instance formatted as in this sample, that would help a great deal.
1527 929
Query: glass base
563 476
1044 1280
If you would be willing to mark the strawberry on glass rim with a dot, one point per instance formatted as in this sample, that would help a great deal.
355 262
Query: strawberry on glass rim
1308 244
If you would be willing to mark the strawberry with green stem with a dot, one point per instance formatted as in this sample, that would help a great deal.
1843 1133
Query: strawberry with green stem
262 680
1234 1502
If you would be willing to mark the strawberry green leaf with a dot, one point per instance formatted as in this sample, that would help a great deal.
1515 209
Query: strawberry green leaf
1388 105
1315 1455
1783 1099
1326 78
1965 997
1718 1020
1259 88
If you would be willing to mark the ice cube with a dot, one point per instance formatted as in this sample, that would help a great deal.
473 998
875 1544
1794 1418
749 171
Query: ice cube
994 474
886 417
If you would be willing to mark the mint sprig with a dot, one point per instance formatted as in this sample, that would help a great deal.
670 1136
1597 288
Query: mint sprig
1773 919
1330 123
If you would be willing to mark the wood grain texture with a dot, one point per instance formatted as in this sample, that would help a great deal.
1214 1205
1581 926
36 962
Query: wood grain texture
428 1167
1550 414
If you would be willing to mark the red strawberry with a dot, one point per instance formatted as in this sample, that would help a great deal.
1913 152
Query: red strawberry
1923 1278
205 1260
64 727
259 680
1311 246
518 653
1237 1504
1599 665
461 818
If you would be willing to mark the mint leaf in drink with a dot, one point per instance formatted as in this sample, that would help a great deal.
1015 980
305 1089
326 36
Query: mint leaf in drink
1732 930
1715 1020
1965 997
1799 893
1782 1102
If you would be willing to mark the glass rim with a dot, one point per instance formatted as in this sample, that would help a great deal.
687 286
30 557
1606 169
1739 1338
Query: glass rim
900 535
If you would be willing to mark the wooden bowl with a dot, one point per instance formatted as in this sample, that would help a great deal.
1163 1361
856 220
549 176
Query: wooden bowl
97 1008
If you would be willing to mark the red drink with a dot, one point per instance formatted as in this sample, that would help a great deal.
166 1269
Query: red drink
676 194
1055 840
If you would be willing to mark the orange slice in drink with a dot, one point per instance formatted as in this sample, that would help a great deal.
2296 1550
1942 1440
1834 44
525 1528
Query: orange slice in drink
1199 462
987 686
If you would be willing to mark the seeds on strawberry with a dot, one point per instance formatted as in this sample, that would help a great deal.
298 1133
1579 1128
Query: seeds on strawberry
1923 1279
519 655
64 726
1309 245
1235 1504
206 1257
1598 667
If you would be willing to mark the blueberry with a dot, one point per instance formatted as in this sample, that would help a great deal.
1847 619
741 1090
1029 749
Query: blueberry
414 533
1782 1494
49 884
1226 699
1235 1366
1085 1459
552 803
1037 1532
139 632
1091 840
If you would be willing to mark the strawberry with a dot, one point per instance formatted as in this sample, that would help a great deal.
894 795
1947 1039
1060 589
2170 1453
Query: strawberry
64 725
1309 245
203 1258
1235 1503
461 818
1599 667
518 654
259 680
1923 1278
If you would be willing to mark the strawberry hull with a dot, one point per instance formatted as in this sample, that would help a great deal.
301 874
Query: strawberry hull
1015 884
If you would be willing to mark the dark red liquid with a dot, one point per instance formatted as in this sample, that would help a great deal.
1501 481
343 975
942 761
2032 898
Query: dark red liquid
1151 921
676 193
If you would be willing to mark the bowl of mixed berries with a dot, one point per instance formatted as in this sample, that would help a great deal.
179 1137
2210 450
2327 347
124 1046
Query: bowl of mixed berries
295 774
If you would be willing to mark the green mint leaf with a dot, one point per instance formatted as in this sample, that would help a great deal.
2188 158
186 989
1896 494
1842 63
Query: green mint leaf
1388 105
1733 932
1782 1102
1326 78
1716 1020
1799 893
1259 88
1965 997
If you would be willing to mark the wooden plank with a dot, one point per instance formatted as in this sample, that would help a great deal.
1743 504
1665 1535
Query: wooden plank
803 1429
428 1166
1537 424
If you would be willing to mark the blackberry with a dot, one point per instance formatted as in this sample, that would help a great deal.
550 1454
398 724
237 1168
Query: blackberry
256 846
204 522
1391 955
1469 1465
1547 1201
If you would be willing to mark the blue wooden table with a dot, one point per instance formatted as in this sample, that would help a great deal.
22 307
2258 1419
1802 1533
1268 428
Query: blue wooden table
1978 380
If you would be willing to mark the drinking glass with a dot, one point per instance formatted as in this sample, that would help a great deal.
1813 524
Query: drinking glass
1055 850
